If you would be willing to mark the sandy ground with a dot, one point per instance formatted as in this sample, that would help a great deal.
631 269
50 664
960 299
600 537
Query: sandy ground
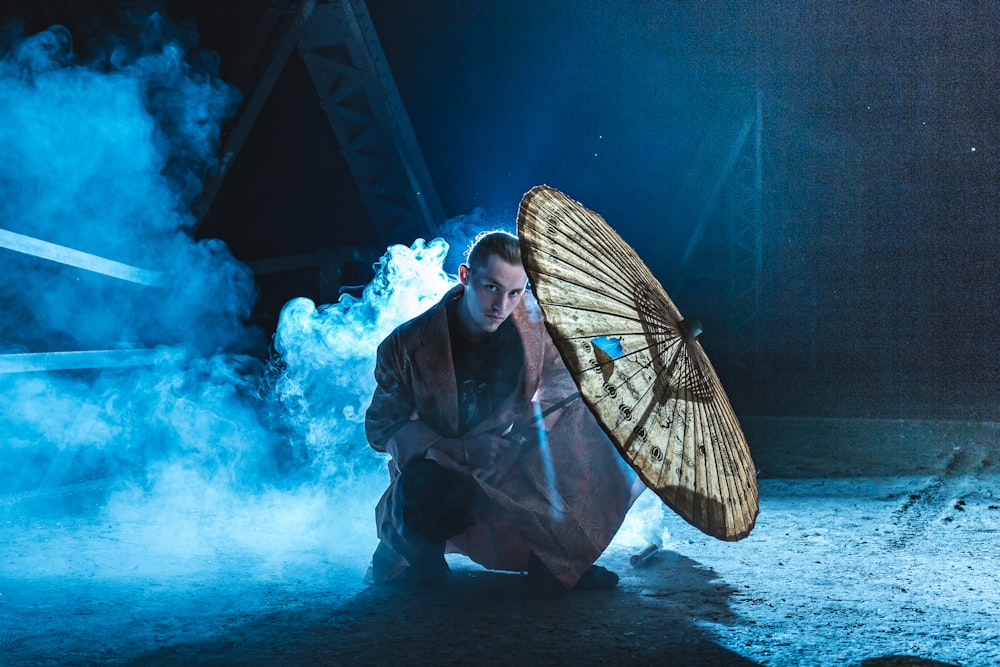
890 571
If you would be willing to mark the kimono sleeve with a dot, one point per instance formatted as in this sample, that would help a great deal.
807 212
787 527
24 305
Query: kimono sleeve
555 384
392 422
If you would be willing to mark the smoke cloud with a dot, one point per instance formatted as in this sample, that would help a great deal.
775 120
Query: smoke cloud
104 158
180 441
328 352
185 443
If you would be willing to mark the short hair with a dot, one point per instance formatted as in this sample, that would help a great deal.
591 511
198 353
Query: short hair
493 243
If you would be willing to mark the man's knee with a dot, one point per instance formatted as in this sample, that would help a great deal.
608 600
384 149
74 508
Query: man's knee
438 503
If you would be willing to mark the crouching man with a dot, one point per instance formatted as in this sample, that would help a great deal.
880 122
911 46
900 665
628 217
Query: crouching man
473 469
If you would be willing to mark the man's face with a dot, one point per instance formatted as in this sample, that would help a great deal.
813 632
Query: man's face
492 292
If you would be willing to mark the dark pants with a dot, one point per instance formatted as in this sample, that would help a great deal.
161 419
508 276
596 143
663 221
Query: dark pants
438 503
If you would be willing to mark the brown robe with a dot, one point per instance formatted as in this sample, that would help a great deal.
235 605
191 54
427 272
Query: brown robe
567 521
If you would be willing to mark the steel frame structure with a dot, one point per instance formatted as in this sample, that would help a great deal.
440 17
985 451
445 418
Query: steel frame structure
342 53
734 208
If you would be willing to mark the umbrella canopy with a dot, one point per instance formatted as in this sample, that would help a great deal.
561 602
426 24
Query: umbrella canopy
638 364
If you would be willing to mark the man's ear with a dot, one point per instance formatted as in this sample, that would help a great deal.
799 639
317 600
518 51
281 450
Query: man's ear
463 274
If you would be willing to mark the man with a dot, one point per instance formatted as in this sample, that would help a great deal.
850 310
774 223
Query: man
474 470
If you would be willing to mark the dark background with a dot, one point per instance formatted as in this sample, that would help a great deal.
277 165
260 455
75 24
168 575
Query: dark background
880 167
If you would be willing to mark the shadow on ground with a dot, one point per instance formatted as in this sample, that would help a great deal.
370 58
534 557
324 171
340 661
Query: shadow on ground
489 617
904 661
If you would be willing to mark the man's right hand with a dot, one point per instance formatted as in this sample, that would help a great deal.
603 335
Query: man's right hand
477 451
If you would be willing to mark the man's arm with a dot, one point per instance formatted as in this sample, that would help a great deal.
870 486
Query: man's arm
392 424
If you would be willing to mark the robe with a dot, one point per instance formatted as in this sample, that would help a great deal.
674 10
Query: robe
563 499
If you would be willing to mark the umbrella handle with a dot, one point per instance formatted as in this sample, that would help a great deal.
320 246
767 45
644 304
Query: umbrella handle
516 431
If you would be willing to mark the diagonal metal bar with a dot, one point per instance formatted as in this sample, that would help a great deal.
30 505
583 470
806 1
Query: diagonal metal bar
356 89
33 362
54 252
280 34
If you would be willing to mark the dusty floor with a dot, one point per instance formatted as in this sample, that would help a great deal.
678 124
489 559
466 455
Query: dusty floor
844 571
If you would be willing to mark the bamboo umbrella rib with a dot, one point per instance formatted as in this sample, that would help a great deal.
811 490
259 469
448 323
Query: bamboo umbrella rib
656 395
584 237
576 263
569 218
573 248
725 429
715 456
595 226
600 288
612 276
628 313
564 300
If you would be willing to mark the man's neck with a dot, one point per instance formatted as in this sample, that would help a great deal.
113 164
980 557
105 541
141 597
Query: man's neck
466 326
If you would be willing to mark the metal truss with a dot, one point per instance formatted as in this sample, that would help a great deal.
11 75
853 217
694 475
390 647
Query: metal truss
269 47
344 57
733 213
342 53
744 217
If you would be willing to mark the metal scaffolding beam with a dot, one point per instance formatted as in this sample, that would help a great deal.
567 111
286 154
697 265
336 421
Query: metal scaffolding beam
733 212
720 182
744 222
345 60
342 53
33 362
60 254
272 42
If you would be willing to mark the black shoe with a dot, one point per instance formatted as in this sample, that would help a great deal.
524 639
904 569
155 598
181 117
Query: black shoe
597 578
429 569
541 580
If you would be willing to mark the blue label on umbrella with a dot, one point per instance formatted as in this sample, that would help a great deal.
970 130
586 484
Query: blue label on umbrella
610 346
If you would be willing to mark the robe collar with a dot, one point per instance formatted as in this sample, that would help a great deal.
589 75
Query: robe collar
437 368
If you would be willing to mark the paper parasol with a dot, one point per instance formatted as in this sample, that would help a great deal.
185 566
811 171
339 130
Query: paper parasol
638 364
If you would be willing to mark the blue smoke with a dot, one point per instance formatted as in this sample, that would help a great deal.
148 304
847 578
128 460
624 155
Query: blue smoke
327 354
184 441
105 158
